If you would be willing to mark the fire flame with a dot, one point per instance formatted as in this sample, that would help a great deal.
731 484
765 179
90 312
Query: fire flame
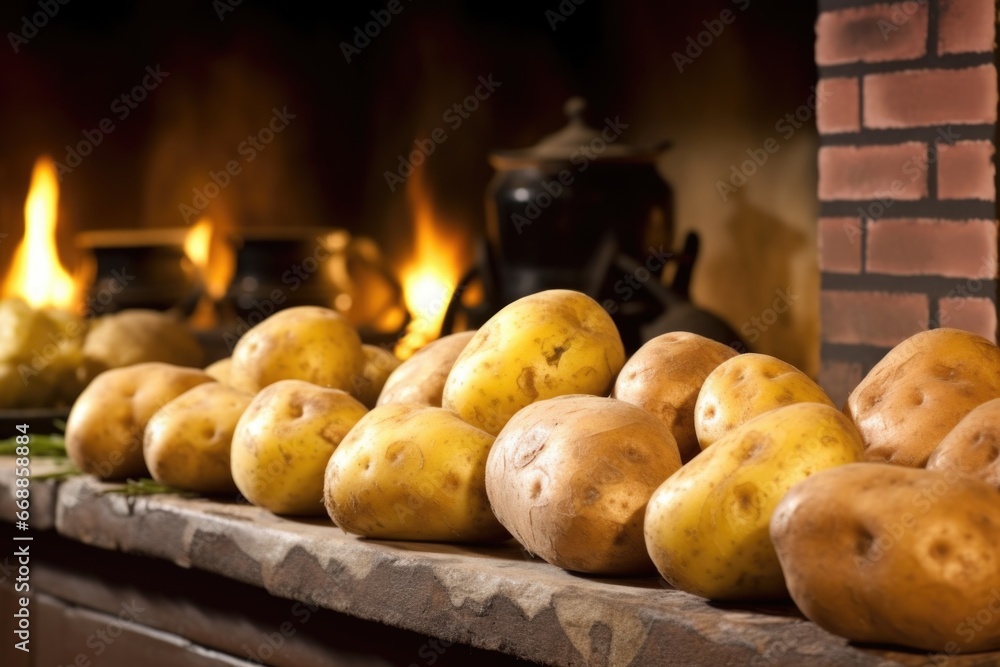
36 274
432 272
210 256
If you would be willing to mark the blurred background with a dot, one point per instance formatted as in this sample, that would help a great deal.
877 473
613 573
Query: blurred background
669 70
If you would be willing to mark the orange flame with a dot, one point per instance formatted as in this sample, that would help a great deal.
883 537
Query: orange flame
432 272
211 257
36 274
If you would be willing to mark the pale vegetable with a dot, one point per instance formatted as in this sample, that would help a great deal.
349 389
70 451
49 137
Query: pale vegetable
379 364
136 336
309 343
548 344
664 377
570 477
421 378
746 386
284 440
187 442
412 472
894 555
920 390
706 526
106 425
973 447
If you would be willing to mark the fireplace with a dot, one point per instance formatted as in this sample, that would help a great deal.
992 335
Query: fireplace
380 123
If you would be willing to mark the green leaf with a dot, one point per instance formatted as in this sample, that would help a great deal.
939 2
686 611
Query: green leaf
147 487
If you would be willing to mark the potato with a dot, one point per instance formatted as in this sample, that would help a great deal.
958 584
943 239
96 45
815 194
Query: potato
105 428
543 345
706 526
186 442
220 370
420 379
284 440
570 477
920 390
379 363
746 386
893 555
40 356
973 447
137 336
308 343
664 377
412 472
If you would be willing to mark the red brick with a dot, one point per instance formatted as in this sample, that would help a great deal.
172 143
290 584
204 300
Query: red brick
917 98
931 247
873 172
839 378
966 26
840 245
839 111
871 34
872 318
977 315
966 171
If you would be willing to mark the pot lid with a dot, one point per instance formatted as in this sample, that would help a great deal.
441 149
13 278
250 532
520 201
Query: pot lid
577 139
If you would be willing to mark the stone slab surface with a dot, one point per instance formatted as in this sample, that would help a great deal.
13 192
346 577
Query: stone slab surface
494 598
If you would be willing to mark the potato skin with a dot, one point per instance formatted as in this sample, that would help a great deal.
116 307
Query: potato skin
746 386
309 343
570 477
889 554
664 377
105 427
547 344
412 472
973 447
706 525
138 335
379 363
187 442
284 440
220 370
421 378
920 390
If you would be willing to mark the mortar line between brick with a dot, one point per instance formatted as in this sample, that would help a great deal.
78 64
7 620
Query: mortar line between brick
891 136
929 61
933 19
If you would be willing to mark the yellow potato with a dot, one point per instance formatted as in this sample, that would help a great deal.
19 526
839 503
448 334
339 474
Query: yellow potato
308 343
220 370
187 442
894 555
548 344
421 378
746 386
412 472
973 447
136 336
284 440
379 364
664 377
41 356
107 423
570 477
920 390
706 526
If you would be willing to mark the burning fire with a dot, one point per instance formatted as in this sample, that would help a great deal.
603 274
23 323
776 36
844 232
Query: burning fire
432 272
36 274
211 257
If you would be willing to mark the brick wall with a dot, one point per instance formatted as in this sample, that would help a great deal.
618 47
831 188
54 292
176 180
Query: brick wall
907 177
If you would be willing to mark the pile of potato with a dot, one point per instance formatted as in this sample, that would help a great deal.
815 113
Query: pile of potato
732 475
47 355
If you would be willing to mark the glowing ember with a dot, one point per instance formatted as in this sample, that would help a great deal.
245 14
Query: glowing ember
36 274
432 272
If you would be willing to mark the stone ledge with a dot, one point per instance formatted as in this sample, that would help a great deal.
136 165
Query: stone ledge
494 598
